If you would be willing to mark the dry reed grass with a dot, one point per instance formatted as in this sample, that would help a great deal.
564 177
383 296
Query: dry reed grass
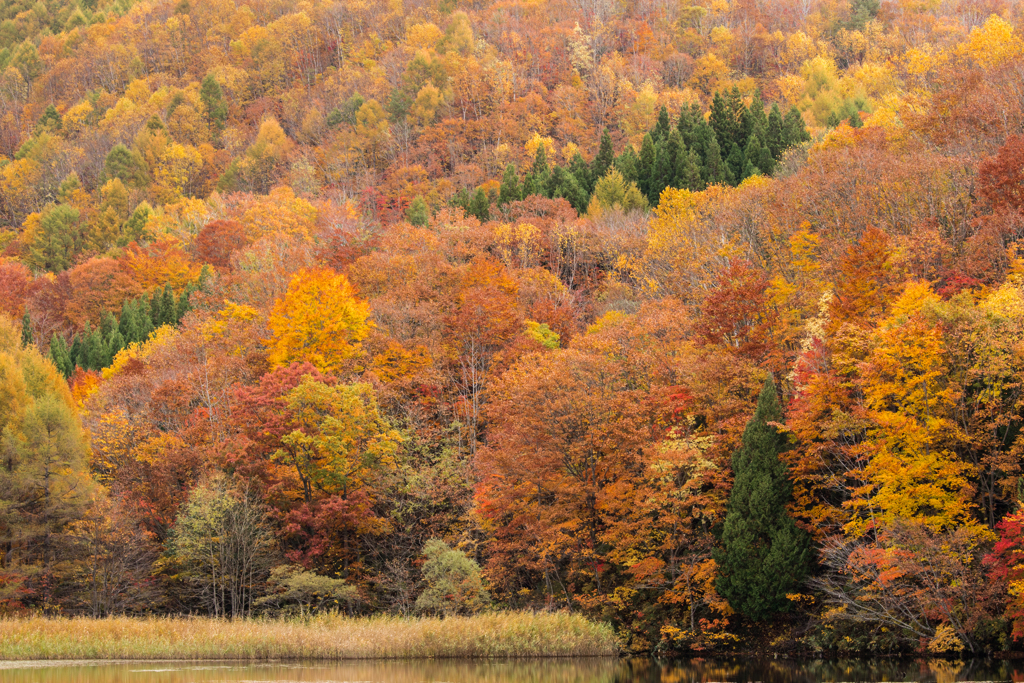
324 637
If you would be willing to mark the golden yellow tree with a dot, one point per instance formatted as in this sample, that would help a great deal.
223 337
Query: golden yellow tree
319 320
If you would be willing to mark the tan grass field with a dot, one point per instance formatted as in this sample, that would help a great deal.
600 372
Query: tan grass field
324 637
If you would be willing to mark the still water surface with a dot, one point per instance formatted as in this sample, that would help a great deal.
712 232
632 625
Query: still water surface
531 671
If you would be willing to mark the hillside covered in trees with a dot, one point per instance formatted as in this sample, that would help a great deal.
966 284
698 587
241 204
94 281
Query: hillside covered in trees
689 317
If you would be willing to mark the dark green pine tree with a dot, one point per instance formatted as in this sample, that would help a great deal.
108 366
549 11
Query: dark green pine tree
60 356
580 170
145 318
833 120
855 121
75 352
764 555
758 119
540 175
213 101
604 159
645 165
675 152
758 157
689 173
568 187
27 338
716 171
50 120
720 122
736 163
169 305
685 125
480 206
662 176
184 305
107 324
628 165
96 350
662 127
701 139
510 190
113 344
128 322
794 128
156 308
775 137
416 213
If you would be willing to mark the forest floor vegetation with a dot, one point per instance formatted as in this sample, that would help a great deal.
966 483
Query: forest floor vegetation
325 637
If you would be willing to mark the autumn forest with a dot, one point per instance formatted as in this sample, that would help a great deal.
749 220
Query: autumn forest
701 318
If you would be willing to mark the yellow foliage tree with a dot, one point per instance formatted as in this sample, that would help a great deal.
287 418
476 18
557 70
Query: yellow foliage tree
320 320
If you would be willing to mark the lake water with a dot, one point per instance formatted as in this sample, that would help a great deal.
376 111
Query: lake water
530 671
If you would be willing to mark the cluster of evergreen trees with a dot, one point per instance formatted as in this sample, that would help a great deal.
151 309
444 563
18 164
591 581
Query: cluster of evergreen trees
731 144
95 348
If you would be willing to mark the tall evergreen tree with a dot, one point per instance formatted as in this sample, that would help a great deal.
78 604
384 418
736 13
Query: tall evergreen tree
775 136
736 163
716 171
480 206
758 156
568 187
213 101
764 555
645 165
156 308
604 159
758 119
689 172
794 128
662 175
662 127
580 169
675 153
540 175
26 331
510 190
685 124
184 305
60 356
628 165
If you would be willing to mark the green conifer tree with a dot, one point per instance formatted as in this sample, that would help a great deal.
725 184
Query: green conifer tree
715 170
604 159
510 190
675 152
480 206
689 173
60 356
213 101
662 127
580 169
764 555
628 165
775 136
169 306
855 121
645 165
757 155
795 130
736 163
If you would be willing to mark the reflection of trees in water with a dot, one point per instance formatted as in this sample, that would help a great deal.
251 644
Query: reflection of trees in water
594 670
740 670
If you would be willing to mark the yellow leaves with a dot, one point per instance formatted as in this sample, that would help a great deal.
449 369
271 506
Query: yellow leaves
422 36
137 351
993 44
227 317
177 168
280 212
340 438
428 99
534 143
320 320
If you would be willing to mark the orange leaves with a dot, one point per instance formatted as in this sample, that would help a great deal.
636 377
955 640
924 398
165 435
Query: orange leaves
319 320
160 263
